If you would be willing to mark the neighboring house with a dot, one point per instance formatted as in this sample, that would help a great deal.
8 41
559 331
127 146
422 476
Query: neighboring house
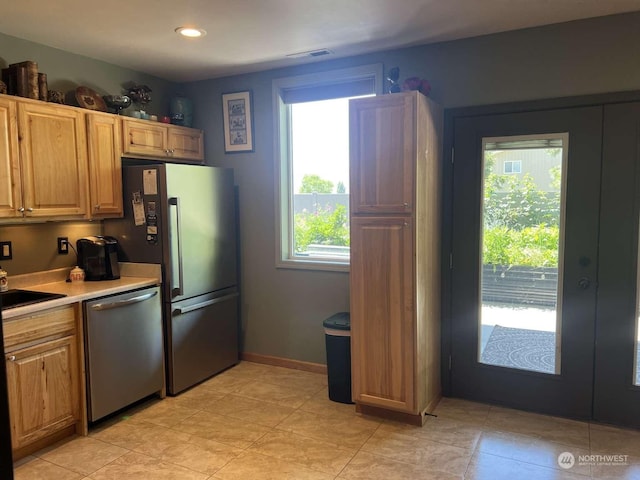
537 163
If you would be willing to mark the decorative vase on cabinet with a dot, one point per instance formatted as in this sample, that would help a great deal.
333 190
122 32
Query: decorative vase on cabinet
181 111
395 151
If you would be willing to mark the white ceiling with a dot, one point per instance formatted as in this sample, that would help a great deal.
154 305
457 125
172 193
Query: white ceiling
251 35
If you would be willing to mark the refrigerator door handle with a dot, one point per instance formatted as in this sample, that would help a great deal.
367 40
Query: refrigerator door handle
178 310
123 303
176 257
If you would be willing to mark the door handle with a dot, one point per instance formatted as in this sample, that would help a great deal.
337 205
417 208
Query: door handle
176 260
180 310
123 303
584 283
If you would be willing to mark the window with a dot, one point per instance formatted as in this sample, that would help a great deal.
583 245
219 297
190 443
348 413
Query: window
312 161
512 166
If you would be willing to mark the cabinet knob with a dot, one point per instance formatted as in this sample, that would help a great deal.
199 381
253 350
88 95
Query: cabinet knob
21 209
406 205
29 209
97 207
11 358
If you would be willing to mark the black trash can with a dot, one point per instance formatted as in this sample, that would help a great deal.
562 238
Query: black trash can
337 329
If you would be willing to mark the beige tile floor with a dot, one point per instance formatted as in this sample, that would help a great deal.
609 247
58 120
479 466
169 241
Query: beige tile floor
256 422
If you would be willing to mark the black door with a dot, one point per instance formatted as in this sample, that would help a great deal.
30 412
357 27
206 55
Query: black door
617 373
526 190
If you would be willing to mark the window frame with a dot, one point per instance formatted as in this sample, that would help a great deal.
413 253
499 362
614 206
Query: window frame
513 163
284 227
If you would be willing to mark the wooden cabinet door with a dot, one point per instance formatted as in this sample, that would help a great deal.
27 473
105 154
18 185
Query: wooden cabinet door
105 171
382 153
382 312
53 152
10 181
146 138
43 390
186 143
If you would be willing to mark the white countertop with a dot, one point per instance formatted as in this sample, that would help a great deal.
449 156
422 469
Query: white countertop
133 276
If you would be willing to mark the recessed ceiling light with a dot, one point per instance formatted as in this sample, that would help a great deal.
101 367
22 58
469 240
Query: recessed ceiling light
191 32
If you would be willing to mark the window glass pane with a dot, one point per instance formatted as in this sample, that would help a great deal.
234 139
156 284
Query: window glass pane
521 251
320 177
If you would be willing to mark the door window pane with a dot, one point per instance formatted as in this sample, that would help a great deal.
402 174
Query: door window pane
522 221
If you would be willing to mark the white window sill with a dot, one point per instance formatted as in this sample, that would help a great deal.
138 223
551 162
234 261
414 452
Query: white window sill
323 265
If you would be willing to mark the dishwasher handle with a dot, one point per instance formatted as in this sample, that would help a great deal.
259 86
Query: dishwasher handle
181 310
124 303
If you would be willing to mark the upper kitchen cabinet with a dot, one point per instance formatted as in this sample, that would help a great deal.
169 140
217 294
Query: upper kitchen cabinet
10 182
186 143
53 156
105 172
382 152
142 138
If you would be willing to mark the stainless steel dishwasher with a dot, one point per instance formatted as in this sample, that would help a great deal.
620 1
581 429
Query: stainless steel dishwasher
123 350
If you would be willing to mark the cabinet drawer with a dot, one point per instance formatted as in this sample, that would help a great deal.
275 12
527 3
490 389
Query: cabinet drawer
49 323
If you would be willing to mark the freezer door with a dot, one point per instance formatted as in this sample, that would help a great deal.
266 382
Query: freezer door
202 230
202 338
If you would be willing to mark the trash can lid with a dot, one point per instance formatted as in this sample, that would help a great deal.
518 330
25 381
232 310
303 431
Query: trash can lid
338 321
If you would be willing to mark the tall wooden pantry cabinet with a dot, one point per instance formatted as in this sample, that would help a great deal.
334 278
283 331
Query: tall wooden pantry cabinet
395 151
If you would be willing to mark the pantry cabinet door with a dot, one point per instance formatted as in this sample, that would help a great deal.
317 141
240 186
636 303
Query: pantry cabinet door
382 313
382 154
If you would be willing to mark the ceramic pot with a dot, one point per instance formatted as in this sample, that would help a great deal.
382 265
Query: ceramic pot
181 108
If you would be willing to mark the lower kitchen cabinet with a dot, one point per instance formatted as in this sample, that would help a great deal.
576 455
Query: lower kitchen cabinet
42 363
42 397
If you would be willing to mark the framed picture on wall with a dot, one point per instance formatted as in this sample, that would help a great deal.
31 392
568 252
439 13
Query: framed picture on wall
238 122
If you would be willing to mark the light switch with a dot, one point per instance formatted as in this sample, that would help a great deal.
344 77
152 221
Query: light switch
5 251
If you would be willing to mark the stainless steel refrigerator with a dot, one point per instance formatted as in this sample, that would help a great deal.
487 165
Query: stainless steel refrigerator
183 217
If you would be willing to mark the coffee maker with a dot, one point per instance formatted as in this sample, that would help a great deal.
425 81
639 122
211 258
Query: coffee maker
98 257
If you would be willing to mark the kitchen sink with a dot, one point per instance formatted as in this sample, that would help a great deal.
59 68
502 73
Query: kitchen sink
19 298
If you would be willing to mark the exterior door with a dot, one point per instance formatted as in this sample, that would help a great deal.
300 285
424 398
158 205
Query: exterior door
617 368
524 258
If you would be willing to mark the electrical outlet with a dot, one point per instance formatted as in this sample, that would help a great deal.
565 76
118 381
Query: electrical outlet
63 245
6 252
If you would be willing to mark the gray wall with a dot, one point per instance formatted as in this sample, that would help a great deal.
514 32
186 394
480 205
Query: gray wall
35 246
282 310
66 71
